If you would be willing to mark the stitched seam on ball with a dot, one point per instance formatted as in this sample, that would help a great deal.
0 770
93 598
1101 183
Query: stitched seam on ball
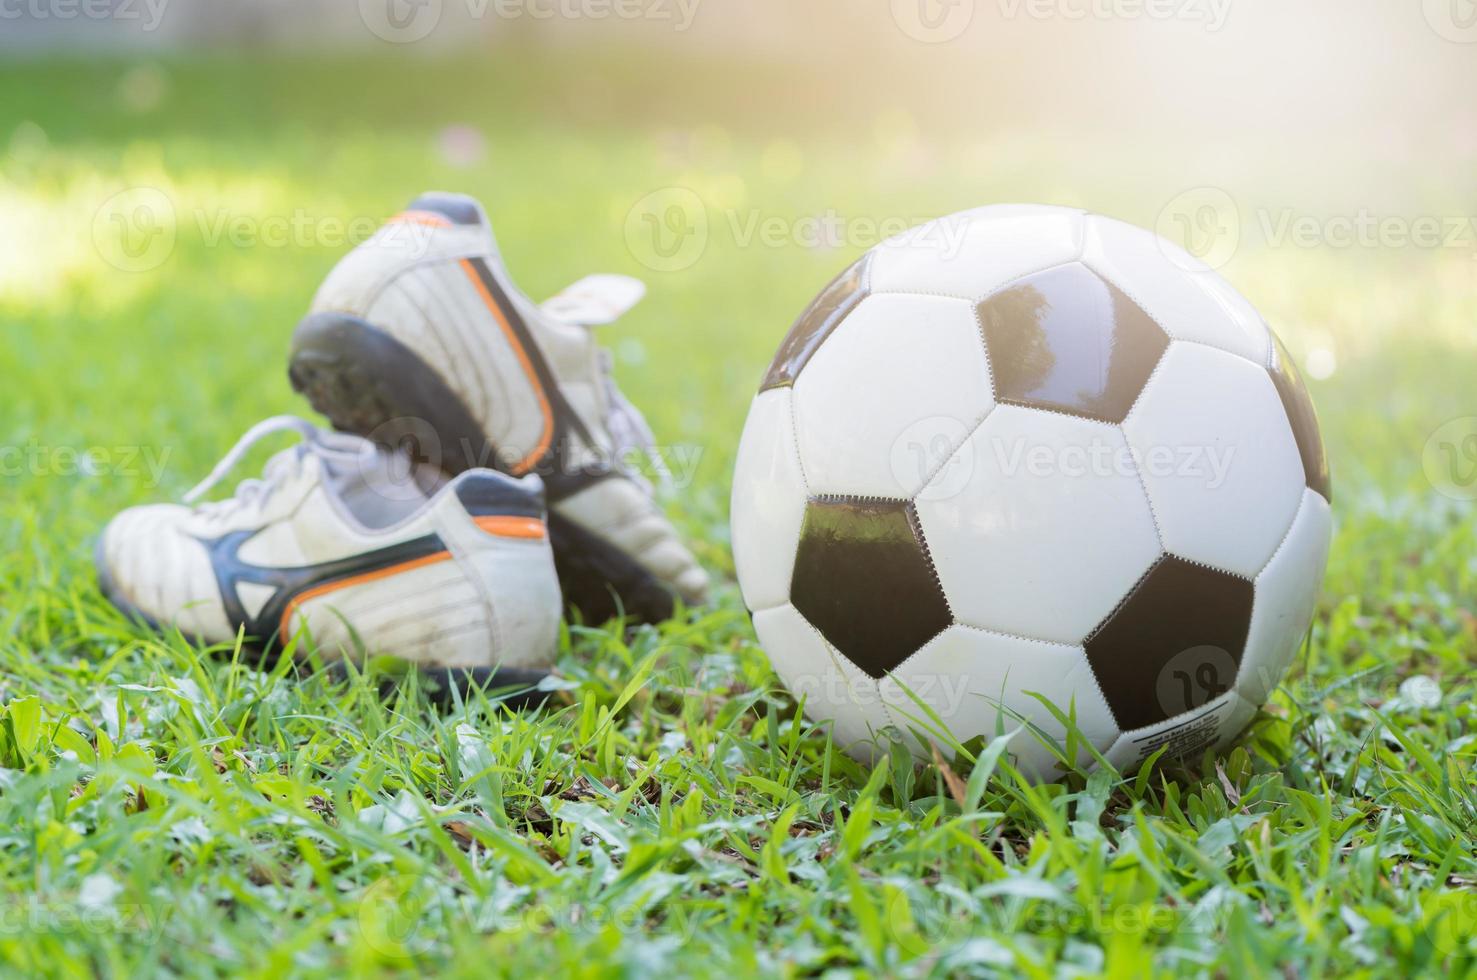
1212 568
763 609
1255 590
1010 283
886 708
988 632
931 293
1225 308
1132 297
968 437
1005 635
1103 696
1128 597
842 498
979 328
795 439
1081 251
1030 407
1148 497
833 654
909 659
1205 343
915 524
1286 535
1148 383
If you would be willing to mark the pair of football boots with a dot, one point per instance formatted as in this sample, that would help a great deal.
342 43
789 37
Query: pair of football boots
481 479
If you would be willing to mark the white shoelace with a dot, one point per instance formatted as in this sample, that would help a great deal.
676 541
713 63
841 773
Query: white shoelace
281 466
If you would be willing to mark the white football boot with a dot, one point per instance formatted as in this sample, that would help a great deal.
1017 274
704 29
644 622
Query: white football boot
341 539
419 338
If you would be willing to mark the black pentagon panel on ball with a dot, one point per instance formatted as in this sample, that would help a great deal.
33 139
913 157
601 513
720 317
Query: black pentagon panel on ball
1303 418
1068 340
818 322
863 577
1173 645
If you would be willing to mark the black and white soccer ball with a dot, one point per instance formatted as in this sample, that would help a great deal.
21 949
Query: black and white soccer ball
1028 455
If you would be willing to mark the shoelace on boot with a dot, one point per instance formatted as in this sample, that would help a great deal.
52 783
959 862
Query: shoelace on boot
282 466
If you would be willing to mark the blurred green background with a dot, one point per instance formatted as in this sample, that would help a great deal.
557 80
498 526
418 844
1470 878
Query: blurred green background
168 217
169 213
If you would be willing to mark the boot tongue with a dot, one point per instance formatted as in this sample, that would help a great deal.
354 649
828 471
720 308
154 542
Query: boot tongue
378 486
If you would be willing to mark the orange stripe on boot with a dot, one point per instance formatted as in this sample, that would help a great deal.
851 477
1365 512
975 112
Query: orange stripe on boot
512 527
328 587
429 218
527 462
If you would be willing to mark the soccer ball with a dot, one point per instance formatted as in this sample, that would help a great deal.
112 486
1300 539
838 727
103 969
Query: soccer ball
1030 470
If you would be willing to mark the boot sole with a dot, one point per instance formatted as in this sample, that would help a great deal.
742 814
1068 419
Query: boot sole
368 383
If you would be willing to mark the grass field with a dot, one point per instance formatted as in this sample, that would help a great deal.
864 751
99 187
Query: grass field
165 811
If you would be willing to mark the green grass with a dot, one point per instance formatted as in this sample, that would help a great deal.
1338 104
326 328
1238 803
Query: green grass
163 810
